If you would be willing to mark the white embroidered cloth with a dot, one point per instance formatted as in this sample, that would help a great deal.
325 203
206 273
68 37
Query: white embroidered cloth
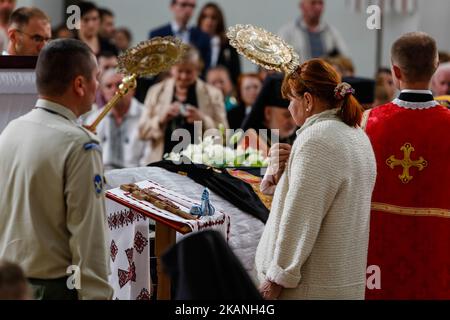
129 253
246 230
219 221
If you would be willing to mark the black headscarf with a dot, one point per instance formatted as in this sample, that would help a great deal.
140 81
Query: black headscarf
203 267
270 95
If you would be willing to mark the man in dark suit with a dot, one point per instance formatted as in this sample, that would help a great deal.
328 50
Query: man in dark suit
182 12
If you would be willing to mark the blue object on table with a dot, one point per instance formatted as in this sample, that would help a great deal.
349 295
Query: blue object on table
206 208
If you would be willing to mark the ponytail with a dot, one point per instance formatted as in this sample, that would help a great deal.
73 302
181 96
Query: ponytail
321 80
351 111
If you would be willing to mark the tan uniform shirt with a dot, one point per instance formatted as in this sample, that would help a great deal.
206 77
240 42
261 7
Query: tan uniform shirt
52 213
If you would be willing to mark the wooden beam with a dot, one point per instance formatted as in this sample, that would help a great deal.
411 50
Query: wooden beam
165 237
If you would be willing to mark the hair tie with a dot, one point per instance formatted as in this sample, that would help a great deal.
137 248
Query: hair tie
342 90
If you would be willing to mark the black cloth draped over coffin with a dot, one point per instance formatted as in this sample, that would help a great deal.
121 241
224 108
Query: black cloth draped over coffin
223 184
203 267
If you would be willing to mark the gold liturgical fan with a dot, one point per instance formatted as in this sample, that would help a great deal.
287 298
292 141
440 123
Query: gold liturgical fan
263 48
146 59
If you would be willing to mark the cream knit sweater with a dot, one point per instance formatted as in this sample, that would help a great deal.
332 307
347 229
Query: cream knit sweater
315 241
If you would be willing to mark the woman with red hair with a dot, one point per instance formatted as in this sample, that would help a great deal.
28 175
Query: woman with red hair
314 245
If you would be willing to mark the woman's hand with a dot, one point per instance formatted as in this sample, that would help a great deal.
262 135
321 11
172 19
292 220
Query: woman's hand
278 158
172 112
270 290
193 114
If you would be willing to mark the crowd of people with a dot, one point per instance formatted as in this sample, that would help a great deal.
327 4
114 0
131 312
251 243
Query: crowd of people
24 31
333 140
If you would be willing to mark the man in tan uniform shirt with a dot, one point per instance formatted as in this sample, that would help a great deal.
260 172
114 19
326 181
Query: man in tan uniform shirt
52 214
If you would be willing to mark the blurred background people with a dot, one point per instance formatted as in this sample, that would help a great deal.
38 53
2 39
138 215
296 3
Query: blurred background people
440 83
248 88
123 39
90 28
178 102
6 9
106 60
118 132
62 32
385 90
310 36
107 24
444 56
270 112
263 73
182 11
220 78
28 32
211 21
343 65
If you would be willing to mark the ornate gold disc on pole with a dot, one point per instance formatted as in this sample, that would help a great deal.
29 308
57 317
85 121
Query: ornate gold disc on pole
263 48
146 59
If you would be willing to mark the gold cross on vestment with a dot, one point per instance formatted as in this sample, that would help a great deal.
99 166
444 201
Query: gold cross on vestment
406 163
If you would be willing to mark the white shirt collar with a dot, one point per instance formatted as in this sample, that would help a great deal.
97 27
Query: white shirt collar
415 105
184 35
321 27
176 28
135 108
417 91
134 111
5 53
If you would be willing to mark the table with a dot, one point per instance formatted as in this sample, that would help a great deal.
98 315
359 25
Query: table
167 228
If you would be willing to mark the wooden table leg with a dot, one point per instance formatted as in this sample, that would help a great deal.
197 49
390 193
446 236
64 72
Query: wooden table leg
165 237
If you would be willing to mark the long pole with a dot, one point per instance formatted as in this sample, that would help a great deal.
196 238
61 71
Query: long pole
379 40
128 83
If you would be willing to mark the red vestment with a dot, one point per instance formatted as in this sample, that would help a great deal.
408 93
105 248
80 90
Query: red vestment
410 217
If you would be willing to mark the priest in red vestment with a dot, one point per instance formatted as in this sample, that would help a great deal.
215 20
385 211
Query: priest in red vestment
410 218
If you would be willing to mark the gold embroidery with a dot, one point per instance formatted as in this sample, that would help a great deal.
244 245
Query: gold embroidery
405 211
406 163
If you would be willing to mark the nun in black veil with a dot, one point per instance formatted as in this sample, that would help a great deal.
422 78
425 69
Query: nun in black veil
203 267
270 112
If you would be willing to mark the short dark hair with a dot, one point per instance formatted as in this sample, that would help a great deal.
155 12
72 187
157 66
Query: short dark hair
415 54
22 16
104 12
60 62
86 7
106 54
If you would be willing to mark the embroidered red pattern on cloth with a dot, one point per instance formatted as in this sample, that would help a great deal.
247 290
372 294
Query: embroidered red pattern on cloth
140 242
124 218
130 274
144 295
113 250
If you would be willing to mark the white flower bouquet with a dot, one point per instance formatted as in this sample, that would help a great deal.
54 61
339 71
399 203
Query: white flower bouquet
213 154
